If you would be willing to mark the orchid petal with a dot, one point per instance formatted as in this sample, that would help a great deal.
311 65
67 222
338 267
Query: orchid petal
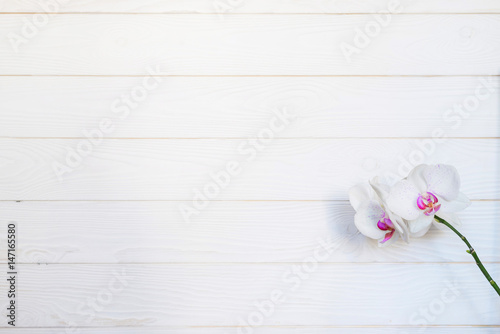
399 224
360 194
402 200
450 218
422 232
417 178
420 224
461 202
367 217
380 189
443 180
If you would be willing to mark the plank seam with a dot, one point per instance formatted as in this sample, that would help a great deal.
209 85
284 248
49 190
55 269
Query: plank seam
215 200
245 138
240 14
256 75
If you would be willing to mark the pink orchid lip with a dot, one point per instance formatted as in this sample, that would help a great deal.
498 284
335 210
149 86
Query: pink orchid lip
427 203
385 224
434 198
420 203
387 236
382 225
389 223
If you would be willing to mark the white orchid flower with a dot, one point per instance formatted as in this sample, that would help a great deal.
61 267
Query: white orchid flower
427 190
373 219
409 208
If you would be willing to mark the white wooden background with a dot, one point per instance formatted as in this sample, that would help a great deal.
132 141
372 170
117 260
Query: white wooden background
228 66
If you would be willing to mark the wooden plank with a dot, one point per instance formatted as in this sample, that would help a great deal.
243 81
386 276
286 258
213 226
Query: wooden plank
270 330
215 107
278 169
250 45
153 232
225 295
250 6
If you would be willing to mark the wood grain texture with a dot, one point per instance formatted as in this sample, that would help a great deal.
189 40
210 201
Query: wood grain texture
251 6
252 45
152 232
281 169
269 330
210 107
221 295
223 79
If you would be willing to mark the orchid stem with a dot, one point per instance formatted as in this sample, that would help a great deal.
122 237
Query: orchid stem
472 252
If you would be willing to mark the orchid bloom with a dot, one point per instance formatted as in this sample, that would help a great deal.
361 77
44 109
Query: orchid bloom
409 208
372 218
428 190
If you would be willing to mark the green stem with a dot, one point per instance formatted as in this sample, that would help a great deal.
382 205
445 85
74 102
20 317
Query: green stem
472 252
